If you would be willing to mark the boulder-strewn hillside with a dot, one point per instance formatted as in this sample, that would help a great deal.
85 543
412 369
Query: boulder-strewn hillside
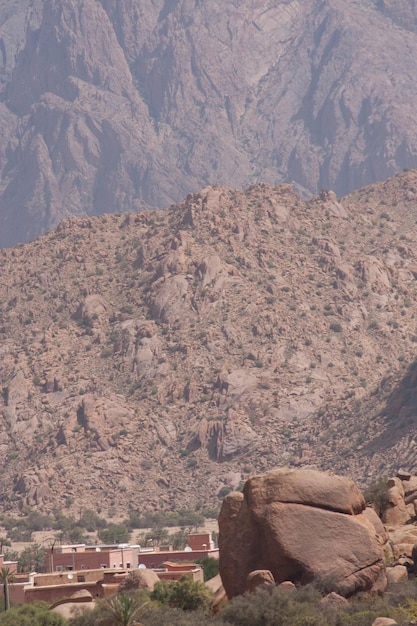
156 358
116 106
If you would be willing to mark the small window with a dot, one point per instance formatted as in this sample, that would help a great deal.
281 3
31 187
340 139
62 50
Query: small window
59 568
128 565
81 579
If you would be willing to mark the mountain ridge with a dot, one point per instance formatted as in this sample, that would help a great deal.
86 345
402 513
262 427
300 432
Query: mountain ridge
109 107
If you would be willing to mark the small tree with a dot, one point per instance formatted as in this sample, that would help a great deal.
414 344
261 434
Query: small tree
179 539
210 567
156 536
32 559
10 555
377 495
121 610
114 533
6 577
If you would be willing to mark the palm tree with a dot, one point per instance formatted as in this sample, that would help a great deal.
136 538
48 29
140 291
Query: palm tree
121 610
6 577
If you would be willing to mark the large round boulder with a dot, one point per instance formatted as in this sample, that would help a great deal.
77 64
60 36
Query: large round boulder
303 526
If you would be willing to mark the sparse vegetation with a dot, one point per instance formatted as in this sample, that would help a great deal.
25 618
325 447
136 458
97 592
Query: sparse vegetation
377 495
183 517
336 327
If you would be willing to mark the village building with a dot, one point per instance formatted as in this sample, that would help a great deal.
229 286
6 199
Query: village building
10 565
81 556
99 570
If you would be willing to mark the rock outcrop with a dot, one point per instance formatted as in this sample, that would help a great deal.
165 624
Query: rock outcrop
396 512
384 621
259 578
303 526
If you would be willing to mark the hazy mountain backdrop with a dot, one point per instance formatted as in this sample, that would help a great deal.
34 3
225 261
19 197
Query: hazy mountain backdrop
119 105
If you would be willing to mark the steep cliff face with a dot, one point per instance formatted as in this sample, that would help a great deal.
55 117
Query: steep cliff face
402 13
118 106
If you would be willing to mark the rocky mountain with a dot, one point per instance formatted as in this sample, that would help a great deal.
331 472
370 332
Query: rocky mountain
160 358
117 106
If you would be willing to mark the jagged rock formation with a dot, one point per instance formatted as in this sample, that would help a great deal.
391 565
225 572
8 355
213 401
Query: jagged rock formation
259 578
183 350
302 526
396 513
108 106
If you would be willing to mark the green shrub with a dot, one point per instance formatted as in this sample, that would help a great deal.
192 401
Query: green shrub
336 327
364 609
185 594
91 521
273 606
377 495
164 616
210 513
224 491
36 614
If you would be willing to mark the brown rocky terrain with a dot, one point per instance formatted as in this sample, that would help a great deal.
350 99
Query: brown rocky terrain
116 106
160 358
